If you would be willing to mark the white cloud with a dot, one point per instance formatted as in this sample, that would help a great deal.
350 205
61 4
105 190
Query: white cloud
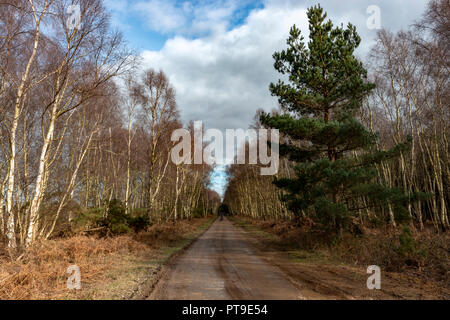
222 78
219 180
203 18
119 10
213 17
161 15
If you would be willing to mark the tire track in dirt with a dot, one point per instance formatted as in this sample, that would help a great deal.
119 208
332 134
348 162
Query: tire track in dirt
223 265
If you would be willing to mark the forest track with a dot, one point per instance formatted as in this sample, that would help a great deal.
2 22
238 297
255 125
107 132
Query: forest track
222 264
227 262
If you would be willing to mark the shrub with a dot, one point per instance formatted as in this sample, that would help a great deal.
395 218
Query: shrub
88 219
406 240
198 212
116 219
111 219
139 223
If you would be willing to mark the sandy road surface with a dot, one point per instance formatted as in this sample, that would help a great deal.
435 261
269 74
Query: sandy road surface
222 265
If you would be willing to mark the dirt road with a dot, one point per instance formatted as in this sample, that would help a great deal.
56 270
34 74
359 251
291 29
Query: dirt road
227 262
220 265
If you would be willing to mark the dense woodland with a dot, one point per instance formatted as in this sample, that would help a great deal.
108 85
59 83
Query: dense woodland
402 104
83 134
88 180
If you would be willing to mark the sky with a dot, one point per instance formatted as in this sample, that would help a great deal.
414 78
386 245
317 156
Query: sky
218 54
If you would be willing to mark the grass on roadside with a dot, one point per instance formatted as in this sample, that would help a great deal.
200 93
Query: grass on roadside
340 267
424 254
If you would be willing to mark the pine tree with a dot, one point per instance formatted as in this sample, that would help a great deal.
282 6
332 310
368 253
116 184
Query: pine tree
333 152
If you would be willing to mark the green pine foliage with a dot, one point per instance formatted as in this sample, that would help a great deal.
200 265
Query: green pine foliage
334 154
